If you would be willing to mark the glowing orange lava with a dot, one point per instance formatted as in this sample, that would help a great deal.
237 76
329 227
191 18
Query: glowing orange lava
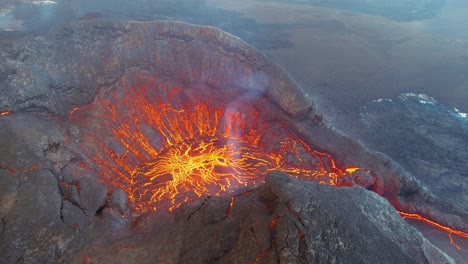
449 230
230 206
4 113
32 168
70 116
165 148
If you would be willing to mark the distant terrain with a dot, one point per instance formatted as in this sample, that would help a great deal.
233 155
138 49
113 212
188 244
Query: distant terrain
400 10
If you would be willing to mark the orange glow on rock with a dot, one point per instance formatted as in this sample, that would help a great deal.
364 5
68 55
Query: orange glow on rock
35 167
273 223
74 109
4 113
230 206
32 168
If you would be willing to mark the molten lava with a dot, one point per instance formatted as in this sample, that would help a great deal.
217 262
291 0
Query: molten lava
4 113
447 229
165 145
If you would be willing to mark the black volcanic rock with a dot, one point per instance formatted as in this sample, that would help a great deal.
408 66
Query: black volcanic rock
74 61
55 209
284 221
427 138
38 225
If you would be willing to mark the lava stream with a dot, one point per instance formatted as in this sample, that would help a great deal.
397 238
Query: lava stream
447 229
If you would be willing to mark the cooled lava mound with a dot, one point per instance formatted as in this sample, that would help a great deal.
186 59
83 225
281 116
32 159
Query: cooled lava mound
131 138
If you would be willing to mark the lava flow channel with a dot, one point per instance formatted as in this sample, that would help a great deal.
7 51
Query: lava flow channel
450 231
163 148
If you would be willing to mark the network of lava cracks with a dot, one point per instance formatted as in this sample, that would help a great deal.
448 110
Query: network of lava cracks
165 146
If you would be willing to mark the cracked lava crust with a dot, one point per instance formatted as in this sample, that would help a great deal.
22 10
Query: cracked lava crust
166 145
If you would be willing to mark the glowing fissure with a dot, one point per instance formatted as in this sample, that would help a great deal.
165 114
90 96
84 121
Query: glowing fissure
32 168
447 229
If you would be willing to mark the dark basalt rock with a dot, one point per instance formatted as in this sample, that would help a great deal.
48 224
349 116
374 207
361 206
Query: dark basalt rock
284 221
427 138
73 62
434 148
119 201
52 207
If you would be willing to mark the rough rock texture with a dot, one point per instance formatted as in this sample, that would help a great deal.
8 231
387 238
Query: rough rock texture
40 222
429 139
284 221
30 198
69 66
52 204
